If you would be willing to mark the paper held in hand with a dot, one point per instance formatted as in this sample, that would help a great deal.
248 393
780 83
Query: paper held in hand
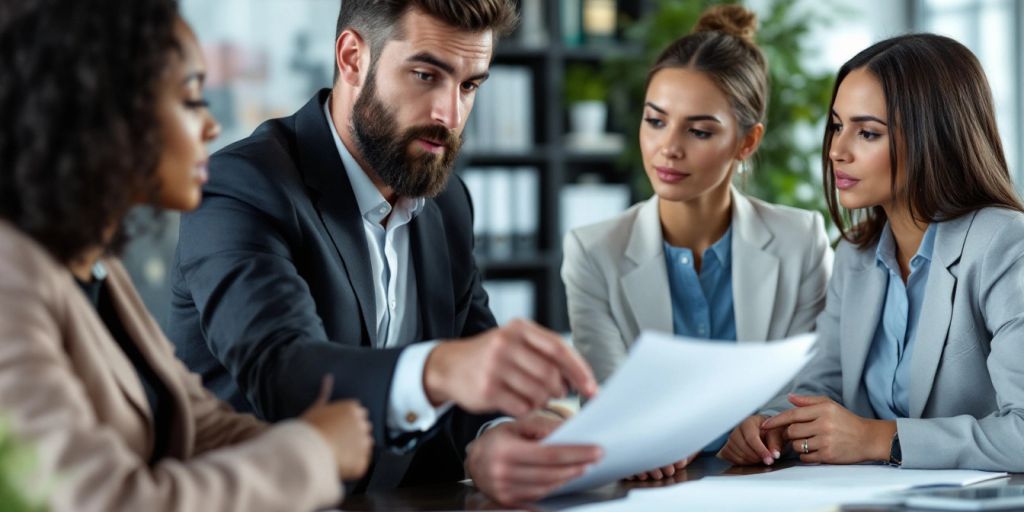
672 397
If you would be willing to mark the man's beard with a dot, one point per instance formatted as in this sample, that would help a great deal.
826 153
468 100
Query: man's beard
387 153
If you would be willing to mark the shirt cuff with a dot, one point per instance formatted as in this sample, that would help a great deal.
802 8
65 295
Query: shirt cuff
409 409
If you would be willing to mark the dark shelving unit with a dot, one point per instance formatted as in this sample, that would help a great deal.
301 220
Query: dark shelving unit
558 165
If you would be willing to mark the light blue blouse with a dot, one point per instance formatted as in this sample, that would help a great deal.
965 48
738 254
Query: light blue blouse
702 303
887 369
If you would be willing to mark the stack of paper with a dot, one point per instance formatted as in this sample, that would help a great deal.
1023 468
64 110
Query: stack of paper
672 397
801 488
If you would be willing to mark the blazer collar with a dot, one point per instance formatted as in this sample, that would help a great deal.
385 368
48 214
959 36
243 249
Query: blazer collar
323 172
140 327
646 285
937 310
866 288
430 258
755 271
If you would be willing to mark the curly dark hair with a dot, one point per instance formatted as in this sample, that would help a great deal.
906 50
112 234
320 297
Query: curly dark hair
80 142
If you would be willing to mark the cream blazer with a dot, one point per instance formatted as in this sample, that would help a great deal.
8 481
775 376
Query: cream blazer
617 285
70 393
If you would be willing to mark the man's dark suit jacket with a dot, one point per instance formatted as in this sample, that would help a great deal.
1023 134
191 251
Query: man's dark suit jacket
272 290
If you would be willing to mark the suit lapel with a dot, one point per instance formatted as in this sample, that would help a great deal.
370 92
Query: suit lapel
146 333
936 312
433 273
755 272
322 170
646 286
863 298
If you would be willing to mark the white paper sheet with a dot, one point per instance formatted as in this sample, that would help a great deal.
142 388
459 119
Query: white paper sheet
672 397
800 488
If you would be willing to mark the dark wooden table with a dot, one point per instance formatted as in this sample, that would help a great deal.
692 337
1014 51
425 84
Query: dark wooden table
463 496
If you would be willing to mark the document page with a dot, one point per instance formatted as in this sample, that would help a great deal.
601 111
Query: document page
672 397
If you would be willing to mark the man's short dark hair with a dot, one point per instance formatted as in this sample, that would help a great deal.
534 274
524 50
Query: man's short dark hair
377 20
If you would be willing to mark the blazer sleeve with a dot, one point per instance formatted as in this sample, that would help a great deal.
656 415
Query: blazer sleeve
823 373
594 331
993 442
89 465
255 309
813 280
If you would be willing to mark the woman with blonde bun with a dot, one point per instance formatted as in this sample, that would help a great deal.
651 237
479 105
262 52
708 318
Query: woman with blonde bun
699 258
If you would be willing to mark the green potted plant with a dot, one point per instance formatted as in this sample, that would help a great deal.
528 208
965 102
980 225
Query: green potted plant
787 166
16 464
586 93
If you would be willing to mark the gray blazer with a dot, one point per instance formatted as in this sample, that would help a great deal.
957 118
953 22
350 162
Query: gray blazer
617 284
967 368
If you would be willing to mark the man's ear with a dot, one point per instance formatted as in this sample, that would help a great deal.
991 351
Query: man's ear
352 56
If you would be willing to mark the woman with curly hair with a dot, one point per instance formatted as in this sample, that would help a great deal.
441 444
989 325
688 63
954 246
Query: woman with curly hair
103 110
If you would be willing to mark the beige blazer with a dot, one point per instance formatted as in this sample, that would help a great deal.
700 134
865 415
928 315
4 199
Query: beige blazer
617 284
69 391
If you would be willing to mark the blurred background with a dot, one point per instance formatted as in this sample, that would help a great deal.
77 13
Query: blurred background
559 149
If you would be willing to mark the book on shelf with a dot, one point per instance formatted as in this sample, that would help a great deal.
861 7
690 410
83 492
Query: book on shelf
581 204
511 298
506 208
502 118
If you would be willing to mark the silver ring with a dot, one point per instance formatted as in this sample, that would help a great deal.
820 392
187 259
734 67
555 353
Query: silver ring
805 447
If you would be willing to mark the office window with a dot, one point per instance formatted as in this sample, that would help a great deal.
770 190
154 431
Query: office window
992 30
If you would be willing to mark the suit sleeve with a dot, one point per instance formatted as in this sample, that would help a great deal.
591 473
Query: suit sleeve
992 442
91 468
256 311
594 331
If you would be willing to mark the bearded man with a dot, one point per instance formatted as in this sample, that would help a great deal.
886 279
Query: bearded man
336 243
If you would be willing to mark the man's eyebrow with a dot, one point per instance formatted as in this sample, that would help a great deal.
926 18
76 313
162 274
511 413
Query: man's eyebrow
427 58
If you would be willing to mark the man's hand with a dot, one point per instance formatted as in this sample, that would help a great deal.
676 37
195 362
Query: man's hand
513 369
749 443
509 464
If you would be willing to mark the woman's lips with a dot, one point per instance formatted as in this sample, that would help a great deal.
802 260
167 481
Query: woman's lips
670 175
845 181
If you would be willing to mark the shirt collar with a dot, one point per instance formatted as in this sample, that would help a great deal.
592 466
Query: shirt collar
722 249
372 204
885 253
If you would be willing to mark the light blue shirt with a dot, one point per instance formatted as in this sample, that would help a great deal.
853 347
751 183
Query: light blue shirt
887 370
702 303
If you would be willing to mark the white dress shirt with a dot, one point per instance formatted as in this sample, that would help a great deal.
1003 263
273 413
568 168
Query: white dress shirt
396 302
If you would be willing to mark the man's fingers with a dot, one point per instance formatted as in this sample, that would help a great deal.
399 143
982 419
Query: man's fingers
556 455
572 366
527 475
526 387
541 370
512 403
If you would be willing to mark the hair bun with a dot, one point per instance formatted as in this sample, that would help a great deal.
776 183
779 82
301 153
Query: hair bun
734 20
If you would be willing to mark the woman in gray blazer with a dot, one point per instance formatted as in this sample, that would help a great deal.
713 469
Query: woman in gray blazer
699 258
920 354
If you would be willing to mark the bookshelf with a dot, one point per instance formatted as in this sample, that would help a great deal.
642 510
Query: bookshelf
516 262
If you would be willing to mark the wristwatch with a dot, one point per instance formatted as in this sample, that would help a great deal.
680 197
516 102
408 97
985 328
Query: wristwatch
895 452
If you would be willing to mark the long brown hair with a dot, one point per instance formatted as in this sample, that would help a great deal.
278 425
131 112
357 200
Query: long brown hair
940 107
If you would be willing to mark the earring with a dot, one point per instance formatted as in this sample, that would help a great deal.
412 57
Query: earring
743 167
